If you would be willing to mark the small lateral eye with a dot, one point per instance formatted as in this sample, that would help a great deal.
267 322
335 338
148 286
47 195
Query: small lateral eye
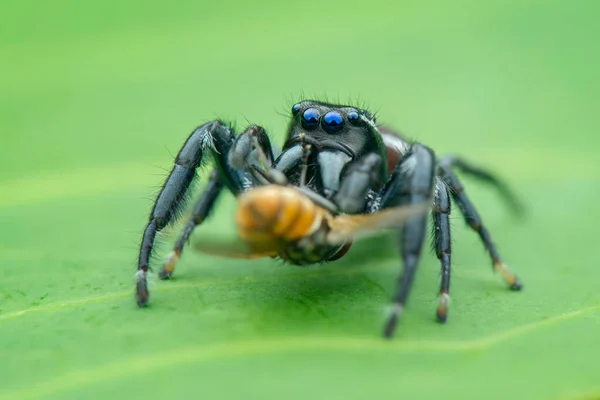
295 109
353 116
310 118
333 121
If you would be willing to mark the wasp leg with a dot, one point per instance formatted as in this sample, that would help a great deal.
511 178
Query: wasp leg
203 207
213 136
474 221
442 245
411 182
359 177
509 196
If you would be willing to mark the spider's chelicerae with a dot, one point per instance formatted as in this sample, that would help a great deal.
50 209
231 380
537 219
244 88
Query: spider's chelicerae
338 158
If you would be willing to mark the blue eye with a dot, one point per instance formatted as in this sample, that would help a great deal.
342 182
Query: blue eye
310 118
353 116
295 108
333 121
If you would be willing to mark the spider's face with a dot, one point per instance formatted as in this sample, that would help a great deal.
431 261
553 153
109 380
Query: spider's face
323 123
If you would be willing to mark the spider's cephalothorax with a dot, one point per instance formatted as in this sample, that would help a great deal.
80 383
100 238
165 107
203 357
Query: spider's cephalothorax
337 135
338 174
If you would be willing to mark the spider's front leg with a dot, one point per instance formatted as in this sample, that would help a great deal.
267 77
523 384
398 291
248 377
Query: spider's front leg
213 137
442 244
249 148
202 208
411 182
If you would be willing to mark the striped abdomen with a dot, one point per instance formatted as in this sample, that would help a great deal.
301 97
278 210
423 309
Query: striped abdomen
271 217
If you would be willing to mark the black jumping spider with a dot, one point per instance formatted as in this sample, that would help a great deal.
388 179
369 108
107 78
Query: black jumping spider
347 165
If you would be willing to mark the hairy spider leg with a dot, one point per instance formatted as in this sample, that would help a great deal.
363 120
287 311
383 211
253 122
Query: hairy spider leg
238 155
449 162
214 137
474 221
201 211
442 244
411 182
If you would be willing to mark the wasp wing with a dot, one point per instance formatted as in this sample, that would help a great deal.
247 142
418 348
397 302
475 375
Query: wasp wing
345 228
232 249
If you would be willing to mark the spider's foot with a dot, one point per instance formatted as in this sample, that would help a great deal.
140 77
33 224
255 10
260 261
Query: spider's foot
393 315
509 277
442 309
167 269
141 288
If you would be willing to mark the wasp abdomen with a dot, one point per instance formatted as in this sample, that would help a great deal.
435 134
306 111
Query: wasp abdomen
272 215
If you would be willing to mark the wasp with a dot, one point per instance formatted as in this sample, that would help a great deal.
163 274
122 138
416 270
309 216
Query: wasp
282 222
338 176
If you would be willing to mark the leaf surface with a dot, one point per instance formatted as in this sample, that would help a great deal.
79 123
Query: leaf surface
96 97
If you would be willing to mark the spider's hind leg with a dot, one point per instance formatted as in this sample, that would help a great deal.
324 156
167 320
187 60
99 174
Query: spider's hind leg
474 221
450 162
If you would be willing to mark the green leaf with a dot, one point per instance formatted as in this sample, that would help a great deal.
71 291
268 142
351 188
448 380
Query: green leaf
92 94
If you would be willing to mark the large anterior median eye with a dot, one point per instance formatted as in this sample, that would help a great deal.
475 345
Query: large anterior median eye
310 118
333 121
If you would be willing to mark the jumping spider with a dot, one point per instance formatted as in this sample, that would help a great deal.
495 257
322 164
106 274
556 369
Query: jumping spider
346 164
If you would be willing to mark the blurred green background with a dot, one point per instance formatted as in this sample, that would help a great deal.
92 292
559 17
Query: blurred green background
96 97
